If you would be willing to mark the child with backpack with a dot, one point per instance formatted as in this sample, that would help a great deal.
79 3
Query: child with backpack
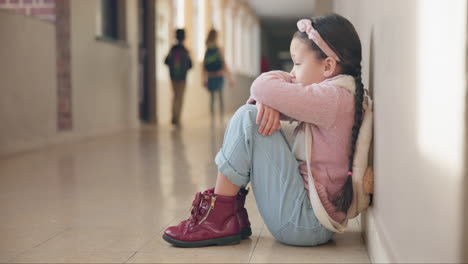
179 62
214 70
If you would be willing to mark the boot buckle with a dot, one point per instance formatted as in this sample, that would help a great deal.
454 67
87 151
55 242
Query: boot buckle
213 200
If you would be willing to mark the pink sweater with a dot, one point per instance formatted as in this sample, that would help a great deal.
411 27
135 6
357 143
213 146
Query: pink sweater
328 107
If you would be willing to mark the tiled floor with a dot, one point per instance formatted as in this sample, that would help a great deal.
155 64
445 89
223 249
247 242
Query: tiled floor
108 199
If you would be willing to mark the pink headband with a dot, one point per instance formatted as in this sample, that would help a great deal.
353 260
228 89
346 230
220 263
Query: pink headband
305 25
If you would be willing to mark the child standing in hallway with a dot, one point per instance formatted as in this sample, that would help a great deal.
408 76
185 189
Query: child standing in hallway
304 193
214 70
179 62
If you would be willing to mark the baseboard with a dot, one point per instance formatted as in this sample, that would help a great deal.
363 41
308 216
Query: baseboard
66 137
377 248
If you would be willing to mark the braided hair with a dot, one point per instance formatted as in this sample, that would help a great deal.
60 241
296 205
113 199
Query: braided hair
342 37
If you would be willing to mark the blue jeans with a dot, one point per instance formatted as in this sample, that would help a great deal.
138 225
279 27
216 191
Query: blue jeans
268 163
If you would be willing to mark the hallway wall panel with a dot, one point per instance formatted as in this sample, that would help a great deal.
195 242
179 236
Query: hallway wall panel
414 63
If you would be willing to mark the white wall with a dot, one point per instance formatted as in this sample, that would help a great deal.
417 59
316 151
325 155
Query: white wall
27 82
104 80
417 53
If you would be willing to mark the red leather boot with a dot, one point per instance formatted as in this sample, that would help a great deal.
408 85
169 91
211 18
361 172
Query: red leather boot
242 214
213 221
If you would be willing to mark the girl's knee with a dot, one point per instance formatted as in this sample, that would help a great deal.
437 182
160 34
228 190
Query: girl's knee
244 118
246 112
247 108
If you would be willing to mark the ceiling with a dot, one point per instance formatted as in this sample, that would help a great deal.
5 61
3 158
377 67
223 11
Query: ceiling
282 9
279 17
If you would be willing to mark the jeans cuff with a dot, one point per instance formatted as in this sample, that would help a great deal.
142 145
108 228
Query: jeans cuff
225 168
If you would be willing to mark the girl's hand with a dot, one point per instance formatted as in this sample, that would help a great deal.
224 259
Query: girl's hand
268 118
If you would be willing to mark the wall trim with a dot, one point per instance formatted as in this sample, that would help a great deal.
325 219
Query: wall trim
375 240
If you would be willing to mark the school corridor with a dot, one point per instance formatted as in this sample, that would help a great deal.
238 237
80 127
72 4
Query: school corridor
92 170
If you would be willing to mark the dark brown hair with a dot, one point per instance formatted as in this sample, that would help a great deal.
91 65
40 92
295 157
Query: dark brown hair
343 39
211 38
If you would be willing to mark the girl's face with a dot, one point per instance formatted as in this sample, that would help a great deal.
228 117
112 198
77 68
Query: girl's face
308 68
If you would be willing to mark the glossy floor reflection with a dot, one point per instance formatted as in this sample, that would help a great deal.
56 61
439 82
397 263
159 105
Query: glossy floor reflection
108 199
